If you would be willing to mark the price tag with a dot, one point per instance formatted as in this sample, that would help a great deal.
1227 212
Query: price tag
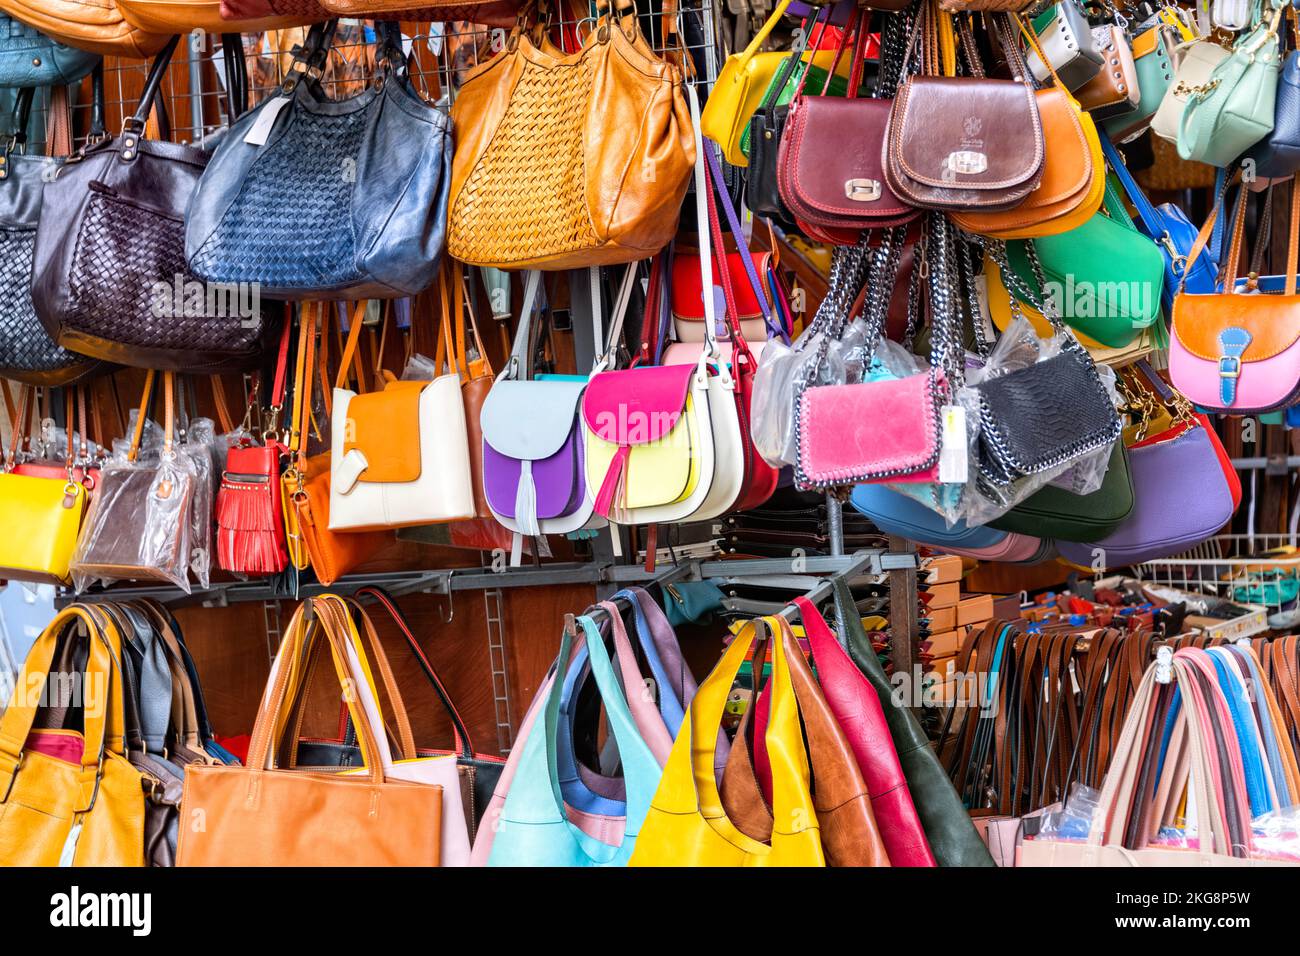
953 454
261 129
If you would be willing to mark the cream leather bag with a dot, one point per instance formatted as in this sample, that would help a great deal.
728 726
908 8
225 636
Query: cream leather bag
1194 62
398 457
663 443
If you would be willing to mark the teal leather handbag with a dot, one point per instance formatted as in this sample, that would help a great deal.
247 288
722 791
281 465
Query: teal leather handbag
534 829
1234 109
1155 74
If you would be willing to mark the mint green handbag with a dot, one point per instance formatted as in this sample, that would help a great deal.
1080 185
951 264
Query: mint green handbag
1233 109
1155 74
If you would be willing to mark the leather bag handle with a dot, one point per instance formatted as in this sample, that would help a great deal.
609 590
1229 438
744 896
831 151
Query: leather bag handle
153 82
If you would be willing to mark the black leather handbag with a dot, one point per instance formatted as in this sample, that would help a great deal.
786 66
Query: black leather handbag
110 280
27 353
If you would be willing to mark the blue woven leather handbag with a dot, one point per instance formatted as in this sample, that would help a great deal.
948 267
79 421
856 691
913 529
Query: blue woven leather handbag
30 58
312 198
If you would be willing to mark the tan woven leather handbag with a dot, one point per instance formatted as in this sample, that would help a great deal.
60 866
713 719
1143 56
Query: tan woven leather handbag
566 161
94 25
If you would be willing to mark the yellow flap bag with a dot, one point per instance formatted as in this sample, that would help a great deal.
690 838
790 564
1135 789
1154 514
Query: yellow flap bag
70 797
687 824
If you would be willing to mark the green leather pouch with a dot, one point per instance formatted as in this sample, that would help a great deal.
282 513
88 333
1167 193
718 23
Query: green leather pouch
1053 512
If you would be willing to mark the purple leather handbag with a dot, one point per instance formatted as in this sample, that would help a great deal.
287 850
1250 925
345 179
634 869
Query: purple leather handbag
1181 498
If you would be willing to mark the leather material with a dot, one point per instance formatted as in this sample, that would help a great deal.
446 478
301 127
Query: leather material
964 143
1277 155
688 825
1068 42
499 14
280 214
953 838
332 554
1105 277
182 16
1192 71
30 58
1268 366
1073 183
533 829
1234 110
44 516
1114 92
857 710
1055 512
96 26
827 185
110 253
791 73
91 811
896 513
443 489
762 186
540 179
871 431
249 512
261 815
1153 60
688 300
1181 498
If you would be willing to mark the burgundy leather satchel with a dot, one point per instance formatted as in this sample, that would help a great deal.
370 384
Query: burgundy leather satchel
826 182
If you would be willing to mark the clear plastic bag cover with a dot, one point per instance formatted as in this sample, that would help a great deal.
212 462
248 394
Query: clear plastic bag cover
772 408
138 528
200 442
420 368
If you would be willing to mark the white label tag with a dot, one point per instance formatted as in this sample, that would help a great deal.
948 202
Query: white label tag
261 130
953 454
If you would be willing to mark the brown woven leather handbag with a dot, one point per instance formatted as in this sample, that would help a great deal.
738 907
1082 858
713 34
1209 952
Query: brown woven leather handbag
94 25
566 161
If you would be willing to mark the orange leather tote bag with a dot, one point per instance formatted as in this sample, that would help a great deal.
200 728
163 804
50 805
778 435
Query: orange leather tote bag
261 815
94 25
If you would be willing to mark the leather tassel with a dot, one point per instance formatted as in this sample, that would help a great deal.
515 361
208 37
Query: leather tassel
611 489
526 501
250 536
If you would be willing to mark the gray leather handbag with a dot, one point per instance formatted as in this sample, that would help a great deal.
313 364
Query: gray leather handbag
312 198
27 353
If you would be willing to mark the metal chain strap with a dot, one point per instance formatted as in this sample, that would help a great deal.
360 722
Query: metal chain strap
893 47
966 265
849 269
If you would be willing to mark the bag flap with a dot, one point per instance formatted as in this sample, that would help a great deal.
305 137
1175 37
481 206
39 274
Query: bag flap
530 420
1272 322
826 175
1070 167
869 429
967 133
688 299
385 428
636 406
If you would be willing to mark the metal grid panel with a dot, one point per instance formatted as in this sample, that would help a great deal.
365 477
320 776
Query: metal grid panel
441 56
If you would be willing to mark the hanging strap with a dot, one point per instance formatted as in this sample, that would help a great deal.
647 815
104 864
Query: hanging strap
350 348
519 365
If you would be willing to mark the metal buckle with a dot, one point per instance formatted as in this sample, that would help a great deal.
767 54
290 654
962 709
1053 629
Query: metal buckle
1236 366
862 190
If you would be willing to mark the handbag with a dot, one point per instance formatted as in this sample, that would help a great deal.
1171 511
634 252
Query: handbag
846 822
1065 45
182 16
1172 232
824 185
663 443
1238 355
96 26
1114 92
275 209
1277 155
1195 61
29 354
29 58
961 143
68 795
400 456
1058 513
109 278
1153 60
138 523
1104 277
533 466
542 179
533 829
310 818
1074 173
1234 109
677 831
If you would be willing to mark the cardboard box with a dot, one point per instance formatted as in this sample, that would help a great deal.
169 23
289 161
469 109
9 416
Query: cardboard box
943 595
947 643
941 618
974 609
941 569
944 668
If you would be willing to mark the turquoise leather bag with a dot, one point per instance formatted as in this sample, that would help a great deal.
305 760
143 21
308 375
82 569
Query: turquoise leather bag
1234 109
533 829
30 58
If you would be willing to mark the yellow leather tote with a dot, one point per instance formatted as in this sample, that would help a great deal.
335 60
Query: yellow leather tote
94 25
567 161
687 824
70 797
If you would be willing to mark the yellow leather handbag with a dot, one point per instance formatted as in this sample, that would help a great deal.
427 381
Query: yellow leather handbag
687 824
69 797
740 87
94 25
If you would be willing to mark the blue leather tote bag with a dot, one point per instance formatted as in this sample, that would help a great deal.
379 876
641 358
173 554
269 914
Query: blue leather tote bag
29 58
310 198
